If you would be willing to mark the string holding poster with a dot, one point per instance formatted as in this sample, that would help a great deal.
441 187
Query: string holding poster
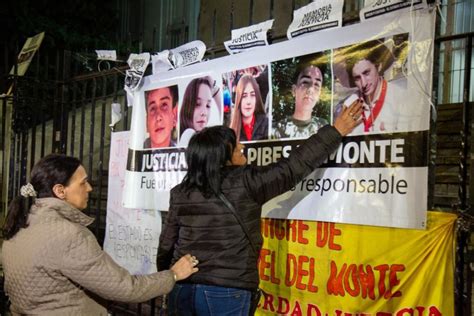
378 176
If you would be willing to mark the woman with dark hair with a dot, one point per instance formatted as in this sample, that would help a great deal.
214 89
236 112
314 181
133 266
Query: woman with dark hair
196 107
50 258
249 120
200 221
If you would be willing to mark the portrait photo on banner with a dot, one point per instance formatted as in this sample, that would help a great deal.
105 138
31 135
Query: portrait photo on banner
376 72
201 107
245 98
161 118
301 88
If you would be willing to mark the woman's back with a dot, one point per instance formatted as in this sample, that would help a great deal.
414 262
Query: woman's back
208 228
35 259
204 226
50 257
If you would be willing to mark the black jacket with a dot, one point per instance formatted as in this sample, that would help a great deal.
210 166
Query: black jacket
260 129
206 228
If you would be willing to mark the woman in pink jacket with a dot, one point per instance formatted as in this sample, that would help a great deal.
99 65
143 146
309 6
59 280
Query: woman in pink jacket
52 261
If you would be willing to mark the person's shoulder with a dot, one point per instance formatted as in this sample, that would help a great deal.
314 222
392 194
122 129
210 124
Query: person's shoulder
67 235
232 176
177 189
180 193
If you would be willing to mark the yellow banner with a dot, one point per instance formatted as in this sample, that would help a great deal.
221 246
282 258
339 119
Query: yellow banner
318 268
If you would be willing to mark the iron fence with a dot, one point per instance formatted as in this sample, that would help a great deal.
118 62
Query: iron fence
59 108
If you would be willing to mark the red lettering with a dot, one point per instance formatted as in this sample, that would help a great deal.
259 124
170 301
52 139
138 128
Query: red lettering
311 287
312 308
268 302
273 277
279 230
325 234
361 280
302 227
290 276
393 281
434 311
291 228
321 237
296 310
334 284
382 269
367 282
296 270
301 272
340 313
351 273
265 226
404 311
283 301
263 264
333 231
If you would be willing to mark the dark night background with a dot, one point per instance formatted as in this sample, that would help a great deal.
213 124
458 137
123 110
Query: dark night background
71 24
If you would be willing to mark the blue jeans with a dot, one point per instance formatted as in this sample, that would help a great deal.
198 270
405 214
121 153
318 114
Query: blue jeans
207 300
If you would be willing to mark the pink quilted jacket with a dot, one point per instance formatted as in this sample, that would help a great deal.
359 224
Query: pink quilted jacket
49 265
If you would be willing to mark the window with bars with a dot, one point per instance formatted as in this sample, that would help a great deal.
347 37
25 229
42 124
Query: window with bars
455 17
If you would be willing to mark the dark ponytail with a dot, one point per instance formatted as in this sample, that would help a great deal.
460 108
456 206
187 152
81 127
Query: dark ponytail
49 171
17 217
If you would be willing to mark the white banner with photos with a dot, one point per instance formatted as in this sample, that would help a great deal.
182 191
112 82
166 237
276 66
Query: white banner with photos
379 174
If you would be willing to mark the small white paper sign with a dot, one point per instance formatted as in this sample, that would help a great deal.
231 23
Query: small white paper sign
246 38
187 54
316 16
106 55
373 8
116 114
134 75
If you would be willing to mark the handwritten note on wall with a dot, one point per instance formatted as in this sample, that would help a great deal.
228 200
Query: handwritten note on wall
132 235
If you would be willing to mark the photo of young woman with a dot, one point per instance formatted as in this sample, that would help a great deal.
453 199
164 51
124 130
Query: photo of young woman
249 120
200 97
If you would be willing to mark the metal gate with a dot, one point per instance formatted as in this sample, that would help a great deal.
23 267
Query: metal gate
53 109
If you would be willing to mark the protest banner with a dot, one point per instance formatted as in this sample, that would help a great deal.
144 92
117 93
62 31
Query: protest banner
320 268
379 174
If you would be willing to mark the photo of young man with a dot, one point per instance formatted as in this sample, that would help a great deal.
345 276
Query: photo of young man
161 117
367 66
299 101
